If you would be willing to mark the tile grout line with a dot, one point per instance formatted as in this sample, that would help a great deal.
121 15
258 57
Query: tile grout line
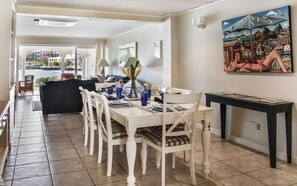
76 150
45 146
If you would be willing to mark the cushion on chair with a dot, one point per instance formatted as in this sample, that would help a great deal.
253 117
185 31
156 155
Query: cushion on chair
119 131
180 126
156 138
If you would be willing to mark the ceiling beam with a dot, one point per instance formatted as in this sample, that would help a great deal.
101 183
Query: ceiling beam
68 12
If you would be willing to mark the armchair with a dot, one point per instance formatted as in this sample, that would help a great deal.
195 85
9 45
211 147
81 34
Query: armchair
26 85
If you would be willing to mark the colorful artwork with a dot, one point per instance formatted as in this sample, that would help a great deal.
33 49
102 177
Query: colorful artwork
259 42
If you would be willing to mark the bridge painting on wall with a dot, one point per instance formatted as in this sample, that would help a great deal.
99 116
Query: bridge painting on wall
259 42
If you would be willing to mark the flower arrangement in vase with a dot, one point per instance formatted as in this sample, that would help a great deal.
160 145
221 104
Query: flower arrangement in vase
132 70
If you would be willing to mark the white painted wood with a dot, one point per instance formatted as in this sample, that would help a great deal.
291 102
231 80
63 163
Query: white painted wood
105 134
189 120
89 120
131 155
205 137
133 118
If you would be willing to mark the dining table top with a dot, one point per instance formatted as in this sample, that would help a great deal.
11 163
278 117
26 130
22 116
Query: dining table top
132 114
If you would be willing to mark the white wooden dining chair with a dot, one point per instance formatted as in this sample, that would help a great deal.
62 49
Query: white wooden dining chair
110 131
89 118
175 135
179 90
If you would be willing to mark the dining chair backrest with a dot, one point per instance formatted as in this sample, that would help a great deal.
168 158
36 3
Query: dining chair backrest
82 97
29 80
185 118
180 90
87 107
27 84
102 107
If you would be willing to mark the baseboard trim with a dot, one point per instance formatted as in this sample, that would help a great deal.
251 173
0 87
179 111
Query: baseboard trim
212 130
241 141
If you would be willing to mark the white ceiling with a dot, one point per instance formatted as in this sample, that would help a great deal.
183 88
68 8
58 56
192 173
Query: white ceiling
85 27
94 27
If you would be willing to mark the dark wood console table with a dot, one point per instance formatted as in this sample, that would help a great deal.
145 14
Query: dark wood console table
269 106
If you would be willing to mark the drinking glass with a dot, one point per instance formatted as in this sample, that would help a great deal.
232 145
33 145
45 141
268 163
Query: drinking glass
144 98
149 93
119 92
162 95
109 90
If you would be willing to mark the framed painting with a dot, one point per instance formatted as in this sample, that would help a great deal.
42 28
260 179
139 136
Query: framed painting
126 51
259 42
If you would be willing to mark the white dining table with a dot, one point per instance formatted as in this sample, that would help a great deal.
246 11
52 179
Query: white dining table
138 117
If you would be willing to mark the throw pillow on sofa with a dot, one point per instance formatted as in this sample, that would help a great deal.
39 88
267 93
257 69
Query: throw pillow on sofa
101 78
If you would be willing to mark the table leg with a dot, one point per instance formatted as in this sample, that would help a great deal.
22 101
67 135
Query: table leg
271 125
207 102
205 137
223 120
131 154
289 135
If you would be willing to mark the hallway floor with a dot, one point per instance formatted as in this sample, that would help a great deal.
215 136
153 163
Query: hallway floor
49 151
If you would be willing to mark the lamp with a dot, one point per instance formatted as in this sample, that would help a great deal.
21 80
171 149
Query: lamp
103 63
131 61
199 23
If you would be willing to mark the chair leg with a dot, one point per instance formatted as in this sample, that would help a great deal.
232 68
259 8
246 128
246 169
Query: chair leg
92 136
186 156
192 167
173 160
109 159
163 169
158 159
86 134
144 157
100 148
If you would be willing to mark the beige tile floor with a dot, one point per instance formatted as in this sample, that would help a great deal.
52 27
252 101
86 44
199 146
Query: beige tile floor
49 151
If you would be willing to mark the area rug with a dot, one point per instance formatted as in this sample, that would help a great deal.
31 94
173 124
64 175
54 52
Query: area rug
36 105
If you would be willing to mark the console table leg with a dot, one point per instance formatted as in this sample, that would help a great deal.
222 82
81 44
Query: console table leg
223 120
207 102
289 135
271 125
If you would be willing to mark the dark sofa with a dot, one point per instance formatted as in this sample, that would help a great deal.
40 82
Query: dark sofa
63 96
112 78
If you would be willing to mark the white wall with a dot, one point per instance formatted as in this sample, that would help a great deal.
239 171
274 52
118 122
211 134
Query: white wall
91 63
5 36
152 69
200 64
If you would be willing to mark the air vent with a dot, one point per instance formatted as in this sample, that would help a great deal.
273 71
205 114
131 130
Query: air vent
55 22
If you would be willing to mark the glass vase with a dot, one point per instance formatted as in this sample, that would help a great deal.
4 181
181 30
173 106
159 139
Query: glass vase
132 89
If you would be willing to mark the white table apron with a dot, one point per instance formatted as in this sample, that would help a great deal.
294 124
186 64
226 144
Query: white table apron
133 118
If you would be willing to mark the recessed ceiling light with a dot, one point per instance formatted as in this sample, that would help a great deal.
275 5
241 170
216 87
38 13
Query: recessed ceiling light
55 22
